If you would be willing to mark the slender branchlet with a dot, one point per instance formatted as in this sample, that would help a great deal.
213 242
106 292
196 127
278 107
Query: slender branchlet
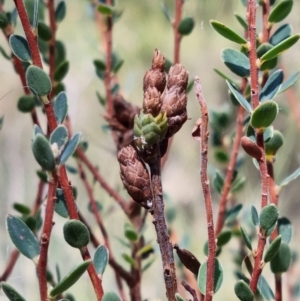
204 135
177 35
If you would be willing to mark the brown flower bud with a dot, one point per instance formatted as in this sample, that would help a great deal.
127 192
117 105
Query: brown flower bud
251 148
158 61
152 102
178 77
135 176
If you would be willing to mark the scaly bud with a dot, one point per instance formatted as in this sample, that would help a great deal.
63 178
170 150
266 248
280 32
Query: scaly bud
135 176
152 102
178 77
158 61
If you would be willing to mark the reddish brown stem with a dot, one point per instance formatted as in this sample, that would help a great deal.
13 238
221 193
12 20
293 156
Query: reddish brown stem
177 35
38 198
10 265
190 290
159 222
102 182
266 27
231 165
45 239
204 135
278 287
293 102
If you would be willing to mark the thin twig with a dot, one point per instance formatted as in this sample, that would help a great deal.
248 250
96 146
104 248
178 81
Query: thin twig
10 264
159 222
177 35
204 135
190 290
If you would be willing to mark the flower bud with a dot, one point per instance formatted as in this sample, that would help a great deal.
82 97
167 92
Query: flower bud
178 77
135 176
158 61
152 102
251 148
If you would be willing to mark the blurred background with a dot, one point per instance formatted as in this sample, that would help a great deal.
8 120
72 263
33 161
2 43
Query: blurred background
142 28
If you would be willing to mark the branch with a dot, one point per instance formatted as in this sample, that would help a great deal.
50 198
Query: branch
159 222
204 135
177 35
190 290
10 265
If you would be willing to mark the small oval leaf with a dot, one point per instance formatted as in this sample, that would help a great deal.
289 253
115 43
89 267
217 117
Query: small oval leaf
38 81
186 26
76 234
44 32
254 216
285 229
11 293
100 260
273 145
130 232
61 71
23 238
282 33
223 238
26 103
282 260
111 296
20 48
70 148
280 11
232 213
273 249
60 11
60 205
289 82
59 136
242 21
268 217
264 115
239 97
272 86
71 279
61 107
243 291
227 32
43 153
246 238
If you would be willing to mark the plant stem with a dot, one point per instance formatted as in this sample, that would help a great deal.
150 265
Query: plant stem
159 222
45 239
204 135
177 35
10 264
190 290
278 287
231 165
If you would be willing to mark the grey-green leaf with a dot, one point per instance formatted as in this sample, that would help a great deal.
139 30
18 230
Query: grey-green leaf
280 48
264 115
186 26
60 205
290 178
265 289
59 136
285 229
289 82
280 11
44 32
100 260
23 238
218 182
76 234
268 217
223 238
282 260
70 148
61 71
111 296
243 291
26 103
43 153
130 232
61 107
38 81
223 75
71 279
218 276
273 249
282 33
227 32
236 61
246 238
272 86
254 216
11 293
242 21
232 213
60 11
20 48
239 97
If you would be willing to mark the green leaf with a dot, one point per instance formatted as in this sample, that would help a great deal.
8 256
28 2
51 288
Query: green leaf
282 33
11 293
3 20
44 32
76 234
289 82
129 260
71 279
223 238
59 136
23 238
246 238
273 145
224 76
273 249
268 133
3 52
236 61
21 208
285 229
218 276
239 97
117 66
166 12
61 71
98 206
272 86
1 121
178 297
227 32
242 21
71 169
101 99
264 289
218 182
254 216
38 81
70 148
268 217
186 26
130 232
264 115
60 11
282 260
20 48
148 264
111 296
280 11
290 178
43 153
60 52
105 9
26 103
280 48
60 204
100 260
238 184
232 213
243 291
61 107
267 65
